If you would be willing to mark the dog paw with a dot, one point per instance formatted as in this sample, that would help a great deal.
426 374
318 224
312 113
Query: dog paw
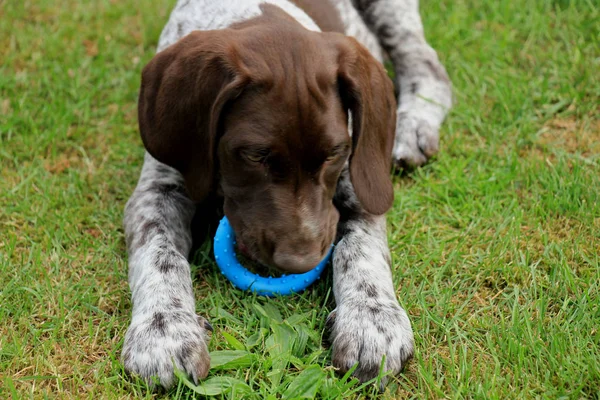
365 334
416 141
154 345
425 99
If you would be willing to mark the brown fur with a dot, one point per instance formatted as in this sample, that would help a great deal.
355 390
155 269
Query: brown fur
258 113
323 13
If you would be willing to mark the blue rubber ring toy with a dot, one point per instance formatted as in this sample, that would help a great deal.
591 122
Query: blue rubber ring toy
245 280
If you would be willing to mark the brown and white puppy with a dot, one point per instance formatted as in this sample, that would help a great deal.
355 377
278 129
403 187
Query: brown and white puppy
247 104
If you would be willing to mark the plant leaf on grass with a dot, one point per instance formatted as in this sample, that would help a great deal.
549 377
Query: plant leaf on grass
282 340
219 313
256 338
269 311
231 359
279 345
300 340
306 384
334 388
236 344
215 386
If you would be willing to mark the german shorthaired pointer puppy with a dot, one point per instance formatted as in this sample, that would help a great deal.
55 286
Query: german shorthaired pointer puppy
279 114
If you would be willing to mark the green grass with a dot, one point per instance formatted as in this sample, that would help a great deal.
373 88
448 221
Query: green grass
495 243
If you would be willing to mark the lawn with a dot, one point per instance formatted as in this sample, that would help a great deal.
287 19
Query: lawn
495 243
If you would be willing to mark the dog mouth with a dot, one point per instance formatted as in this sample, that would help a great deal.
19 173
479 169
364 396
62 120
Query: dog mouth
243 249
253 263
248 251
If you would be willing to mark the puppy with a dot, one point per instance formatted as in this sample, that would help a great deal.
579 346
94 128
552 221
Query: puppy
280 115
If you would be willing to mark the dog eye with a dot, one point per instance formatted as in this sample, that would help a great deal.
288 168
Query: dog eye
337 152
256 156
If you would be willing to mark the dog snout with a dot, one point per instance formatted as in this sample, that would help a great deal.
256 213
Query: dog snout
297 262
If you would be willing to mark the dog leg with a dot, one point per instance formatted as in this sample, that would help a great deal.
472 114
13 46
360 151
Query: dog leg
425 89
165 331
368 323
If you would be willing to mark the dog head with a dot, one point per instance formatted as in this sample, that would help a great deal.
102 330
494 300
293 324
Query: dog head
259 113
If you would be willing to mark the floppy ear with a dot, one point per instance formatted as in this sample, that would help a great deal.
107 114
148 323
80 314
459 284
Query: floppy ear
369 93
183 91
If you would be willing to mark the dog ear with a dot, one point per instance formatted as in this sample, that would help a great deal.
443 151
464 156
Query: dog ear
183 91
368 93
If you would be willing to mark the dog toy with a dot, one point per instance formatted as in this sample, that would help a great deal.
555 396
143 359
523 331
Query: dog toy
245 280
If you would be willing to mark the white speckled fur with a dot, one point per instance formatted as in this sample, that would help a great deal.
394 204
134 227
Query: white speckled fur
218 15
425 90
368 323
164 330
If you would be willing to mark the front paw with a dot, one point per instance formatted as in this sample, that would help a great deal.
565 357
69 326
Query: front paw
416 141
156 344
364 334
422 109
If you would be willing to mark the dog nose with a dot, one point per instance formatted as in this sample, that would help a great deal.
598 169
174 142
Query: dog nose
296 263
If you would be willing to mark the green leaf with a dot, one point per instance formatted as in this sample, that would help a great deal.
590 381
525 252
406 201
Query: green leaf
269 311
255 339
273 312
295 319
233 342
282 340
301 340
279 345
330 389
306 384
297 362
219 313
231 359
215 386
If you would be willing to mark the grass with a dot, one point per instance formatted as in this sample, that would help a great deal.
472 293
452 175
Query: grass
495 243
